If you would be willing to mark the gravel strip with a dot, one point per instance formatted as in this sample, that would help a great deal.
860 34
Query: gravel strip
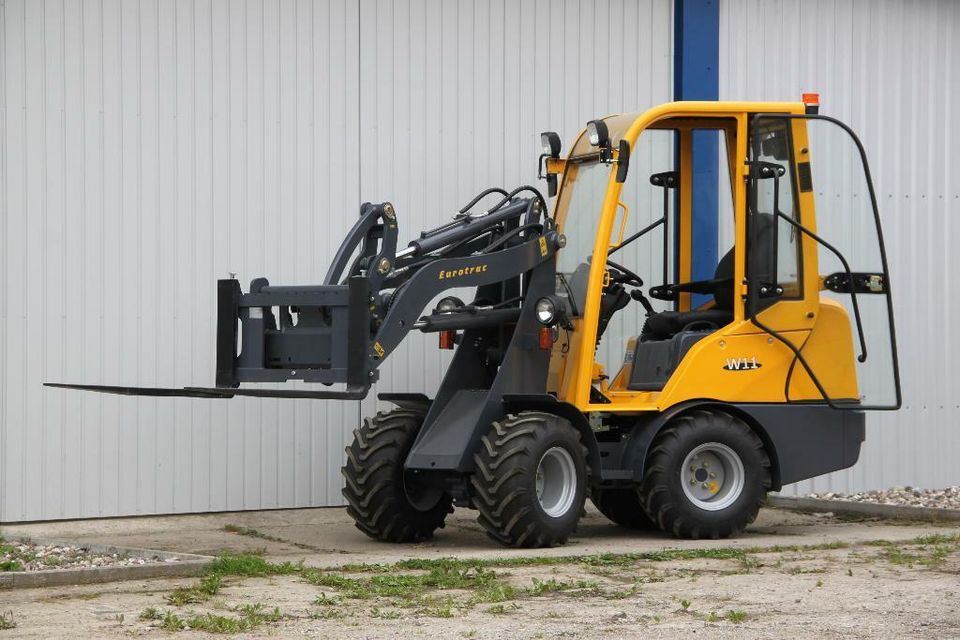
948 498
28 556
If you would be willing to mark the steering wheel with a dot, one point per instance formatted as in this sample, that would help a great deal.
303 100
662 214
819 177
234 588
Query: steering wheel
624 275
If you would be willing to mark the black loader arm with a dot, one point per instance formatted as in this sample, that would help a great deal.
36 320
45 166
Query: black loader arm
339 332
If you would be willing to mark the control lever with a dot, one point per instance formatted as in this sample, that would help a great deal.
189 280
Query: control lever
637 295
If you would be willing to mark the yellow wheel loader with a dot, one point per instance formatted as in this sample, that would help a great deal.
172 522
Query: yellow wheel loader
678 405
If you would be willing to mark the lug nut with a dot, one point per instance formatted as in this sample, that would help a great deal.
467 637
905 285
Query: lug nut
704 485
713 475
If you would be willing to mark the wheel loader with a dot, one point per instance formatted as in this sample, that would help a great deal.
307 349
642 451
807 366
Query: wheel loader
745 379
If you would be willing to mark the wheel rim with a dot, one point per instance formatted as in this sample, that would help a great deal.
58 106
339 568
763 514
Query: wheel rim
712 476
556 482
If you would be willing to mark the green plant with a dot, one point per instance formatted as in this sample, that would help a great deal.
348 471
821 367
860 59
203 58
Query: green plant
685 604
11 565
150 613
6 621
736 616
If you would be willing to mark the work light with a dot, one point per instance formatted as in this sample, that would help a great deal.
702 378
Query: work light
551 144
597 133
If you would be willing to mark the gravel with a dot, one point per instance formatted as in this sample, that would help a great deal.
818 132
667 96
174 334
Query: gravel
948 498
27 556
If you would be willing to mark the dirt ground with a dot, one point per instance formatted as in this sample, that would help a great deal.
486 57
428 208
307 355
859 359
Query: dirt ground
791 575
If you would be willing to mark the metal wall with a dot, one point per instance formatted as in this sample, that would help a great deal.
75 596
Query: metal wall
150 147
891 70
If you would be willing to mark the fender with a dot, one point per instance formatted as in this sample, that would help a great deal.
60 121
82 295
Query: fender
412 401
549 404
637 444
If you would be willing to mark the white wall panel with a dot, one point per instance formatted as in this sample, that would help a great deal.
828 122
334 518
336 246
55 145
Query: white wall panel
150 147
890 70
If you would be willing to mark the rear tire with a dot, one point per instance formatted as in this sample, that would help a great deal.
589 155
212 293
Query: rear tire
530 481
624 507
375 490
706 476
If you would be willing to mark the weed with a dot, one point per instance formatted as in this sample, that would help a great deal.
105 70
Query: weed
685 604
7 621
501 609
11 565
736 616
250 565
327 614
713 617
819 583
250 616
325 600
150 613
172 622
386 614
206 588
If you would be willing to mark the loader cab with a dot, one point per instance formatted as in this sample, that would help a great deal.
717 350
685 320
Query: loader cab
682 283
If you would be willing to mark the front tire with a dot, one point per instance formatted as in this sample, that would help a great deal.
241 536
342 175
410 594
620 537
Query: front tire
530 482
376 491
706 476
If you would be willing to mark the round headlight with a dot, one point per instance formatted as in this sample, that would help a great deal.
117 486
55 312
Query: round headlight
448 304
546 311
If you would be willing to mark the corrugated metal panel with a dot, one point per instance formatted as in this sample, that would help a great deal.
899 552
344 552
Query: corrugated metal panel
455 95
889 69
151 147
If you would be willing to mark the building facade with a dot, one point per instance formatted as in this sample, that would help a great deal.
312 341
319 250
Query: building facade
151 147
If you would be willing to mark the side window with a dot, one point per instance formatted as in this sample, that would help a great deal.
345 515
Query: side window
774 258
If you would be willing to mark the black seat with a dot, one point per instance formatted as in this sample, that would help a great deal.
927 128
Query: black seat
665 324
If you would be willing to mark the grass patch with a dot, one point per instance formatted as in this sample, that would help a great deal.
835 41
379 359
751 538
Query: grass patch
736 616
11 565
206 588
6 621
251 616
250 565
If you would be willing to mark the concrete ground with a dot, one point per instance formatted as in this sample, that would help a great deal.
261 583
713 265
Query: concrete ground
789 575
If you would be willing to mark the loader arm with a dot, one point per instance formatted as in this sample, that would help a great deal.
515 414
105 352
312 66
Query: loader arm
339 332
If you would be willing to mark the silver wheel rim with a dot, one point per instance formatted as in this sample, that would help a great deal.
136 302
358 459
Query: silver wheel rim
712 476
556 482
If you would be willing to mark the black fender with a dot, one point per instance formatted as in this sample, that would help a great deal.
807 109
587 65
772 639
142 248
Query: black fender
637 443
413 401
513 403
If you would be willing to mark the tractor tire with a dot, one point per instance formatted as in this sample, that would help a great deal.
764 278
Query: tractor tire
530 482
706 476
375 490
623 506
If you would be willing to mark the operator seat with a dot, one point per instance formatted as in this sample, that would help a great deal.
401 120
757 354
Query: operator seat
666 324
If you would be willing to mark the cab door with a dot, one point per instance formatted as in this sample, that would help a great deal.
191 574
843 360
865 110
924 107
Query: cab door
821 290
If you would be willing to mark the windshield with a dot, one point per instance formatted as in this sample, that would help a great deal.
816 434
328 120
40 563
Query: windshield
578 216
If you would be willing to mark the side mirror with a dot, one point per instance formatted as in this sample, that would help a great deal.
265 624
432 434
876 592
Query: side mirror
623 161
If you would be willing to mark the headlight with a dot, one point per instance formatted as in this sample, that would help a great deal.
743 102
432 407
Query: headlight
546 311
448 304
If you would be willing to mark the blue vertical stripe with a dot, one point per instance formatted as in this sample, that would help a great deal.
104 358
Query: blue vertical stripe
696 77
